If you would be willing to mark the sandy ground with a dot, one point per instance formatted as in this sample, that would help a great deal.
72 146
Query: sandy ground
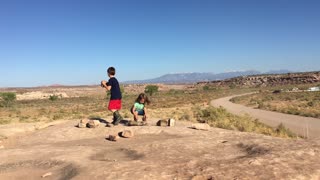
63 151
305 126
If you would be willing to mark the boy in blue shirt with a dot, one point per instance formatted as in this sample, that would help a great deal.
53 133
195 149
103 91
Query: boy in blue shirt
116 98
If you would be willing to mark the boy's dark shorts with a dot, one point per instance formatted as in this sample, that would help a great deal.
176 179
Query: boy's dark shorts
115 104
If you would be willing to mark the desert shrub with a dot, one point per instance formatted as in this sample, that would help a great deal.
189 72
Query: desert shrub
284 132
206 88
186 117
232 86
5 121
261 105
57 117
174 92
311 104
24 118
151 89
7 99
53 97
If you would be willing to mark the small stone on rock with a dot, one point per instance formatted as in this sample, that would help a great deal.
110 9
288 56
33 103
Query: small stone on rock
162 123
93 124
113 138
83 123
127 134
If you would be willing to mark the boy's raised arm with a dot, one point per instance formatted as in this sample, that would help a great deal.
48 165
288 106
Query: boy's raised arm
105 85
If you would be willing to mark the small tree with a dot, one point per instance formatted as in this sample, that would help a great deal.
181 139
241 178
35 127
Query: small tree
7 99
151 89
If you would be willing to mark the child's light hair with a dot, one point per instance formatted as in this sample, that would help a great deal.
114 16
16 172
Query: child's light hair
143 96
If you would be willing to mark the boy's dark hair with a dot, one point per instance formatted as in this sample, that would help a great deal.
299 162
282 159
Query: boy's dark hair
143 96
112 71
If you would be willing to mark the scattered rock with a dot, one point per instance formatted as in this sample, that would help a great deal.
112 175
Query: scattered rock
46 175
201 126
83 123
171 122
127 134
113 137
255 162
162 123
93 123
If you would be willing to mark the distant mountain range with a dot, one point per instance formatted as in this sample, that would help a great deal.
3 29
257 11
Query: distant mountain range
185 78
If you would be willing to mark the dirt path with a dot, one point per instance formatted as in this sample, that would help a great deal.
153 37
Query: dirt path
305 126
63 151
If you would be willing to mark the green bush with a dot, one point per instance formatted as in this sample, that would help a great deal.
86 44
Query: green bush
7 99
206 88
151 89
53 97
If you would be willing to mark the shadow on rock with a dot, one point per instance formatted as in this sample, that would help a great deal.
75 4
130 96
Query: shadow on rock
253 150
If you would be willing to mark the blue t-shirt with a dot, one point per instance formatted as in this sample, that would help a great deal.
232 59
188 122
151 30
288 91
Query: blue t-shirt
115 89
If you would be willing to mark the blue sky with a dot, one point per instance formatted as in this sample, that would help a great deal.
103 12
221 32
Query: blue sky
45 42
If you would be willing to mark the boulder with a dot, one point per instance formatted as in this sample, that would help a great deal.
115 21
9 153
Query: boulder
201 126
171 122
83 123
93 124
162 123
113 137
127 134
47 175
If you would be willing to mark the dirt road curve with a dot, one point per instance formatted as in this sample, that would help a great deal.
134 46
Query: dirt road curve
305 126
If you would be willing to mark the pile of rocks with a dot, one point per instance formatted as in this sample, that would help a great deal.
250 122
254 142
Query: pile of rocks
89 123
123 134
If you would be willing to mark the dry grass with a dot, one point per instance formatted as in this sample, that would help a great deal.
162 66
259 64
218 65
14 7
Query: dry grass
188 105
297 103
164 105
219 117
